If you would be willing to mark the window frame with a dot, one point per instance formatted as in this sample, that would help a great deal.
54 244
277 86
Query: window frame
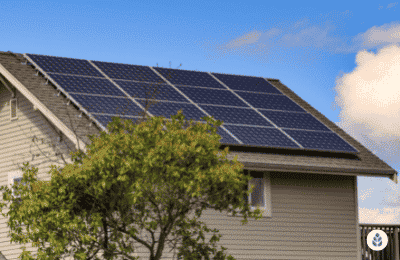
267 209
12 176
13 101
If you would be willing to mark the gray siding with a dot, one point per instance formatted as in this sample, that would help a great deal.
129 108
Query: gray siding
16 147
313 217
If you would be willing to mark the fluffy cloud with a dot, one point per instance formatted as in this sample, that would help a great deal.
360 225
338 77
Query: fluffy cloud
369 101
373 216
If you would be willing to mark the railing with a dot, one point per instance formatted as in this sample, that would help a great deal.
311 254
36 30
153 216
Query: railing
391 251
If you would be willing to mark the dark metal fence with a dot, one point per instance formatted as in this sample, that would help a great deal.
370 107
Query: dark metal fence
391 251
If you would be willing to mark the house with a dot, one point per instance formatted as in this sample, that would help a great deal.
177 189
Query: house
309 197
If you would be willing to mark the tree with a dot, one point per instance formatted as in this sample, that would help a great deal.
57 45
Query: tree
157 176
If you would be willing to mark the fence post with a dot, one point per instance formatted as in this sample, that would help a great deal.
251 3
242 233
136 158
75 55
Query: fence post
396 243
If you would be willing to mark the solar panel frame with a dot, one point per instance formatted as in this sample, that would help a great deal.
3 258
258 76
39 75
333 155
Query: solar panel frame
313 139
258 136
245 116
212 96
107 104
236 82
138 90
64 65
86 85
128 72
270 101
185 77
294 120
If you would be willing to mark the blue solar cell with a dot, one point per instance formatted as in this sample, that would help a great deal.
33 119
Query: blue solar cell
166 109
65 65
212 96
261 136
108 105
320 141
148 90
86 85
128 72
189 78
106 119
274 102
294 120
226 138
247 83
233 115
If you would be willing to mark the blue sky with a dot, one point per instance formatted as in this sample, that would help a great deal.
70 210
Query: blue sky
342 57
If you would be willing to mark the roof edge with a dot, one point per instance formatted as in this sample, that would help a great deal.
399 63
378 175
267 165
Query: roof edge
42 108
391 174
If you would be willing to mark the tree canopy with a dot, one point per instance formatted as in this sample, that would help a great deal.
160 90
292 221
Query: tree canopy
154 178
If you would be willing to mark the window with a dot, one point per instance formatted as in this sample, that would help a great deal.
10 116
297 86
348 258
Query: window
13 109
14 178
261 195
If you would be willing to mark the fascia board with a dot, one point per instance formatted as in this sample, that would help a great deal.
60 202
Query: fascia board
42 108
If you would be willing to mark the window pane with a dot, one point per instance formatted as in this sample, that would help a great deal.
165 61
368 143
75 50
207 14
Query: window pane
257 196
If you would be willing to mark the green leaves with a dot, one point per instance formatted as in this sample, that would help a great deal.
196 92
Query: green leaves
136 178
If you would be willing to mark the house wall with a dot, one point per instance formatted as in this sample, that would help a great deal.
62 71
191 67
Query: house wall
16 147
313 217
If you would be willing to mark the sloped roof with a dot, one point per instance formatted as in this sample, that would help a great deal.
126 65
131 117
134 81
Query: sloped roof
69 119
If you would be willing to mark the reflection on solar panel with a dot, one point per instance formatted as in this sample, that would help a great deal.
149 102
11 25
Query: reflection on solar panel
246 83
261 136
320 140
254 112
148 90
64 65
212 96
234 115
274 102
294 120
87 85
128 72
166 109
190 78
107 105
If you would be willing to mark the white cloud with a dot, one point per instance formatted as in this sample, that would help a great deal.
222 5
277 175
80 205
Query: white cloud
386 34
381 216
391 5
304 40
369 101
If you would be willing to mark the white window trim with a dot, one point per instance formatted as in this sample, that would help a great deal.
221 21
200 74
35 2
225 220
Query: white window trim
11 108
267 209
11 177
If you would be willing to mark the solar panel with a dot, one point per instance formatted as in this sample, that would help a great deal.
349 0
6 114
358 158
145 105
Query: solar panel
65 65
107 105
166 109
128 72
106 119
101 98
261 136
246 83
148 90
234 115
189 78
320 140
212 96
86 85
274 102
294 120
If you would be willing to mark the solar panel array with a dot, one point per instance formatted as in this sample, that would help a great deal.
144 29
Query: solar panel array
255 113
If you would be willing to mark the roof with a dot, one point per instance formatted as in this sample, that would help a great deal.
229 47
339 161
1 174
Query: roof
68 118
